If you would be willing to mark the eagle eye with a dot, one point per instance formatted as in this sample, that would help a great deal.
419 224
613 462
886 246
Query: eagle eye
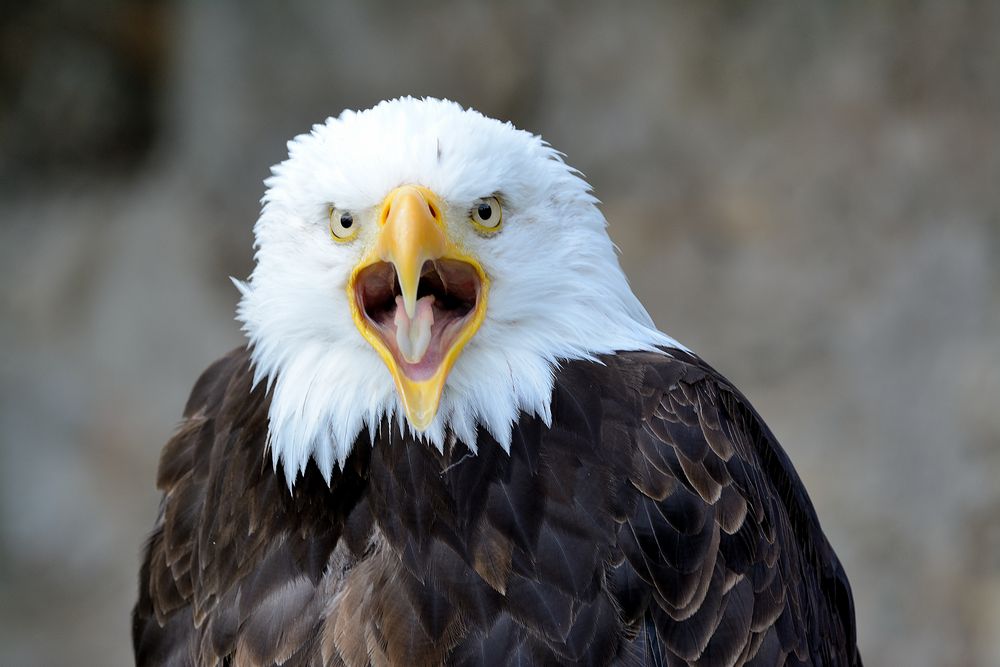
342 225
487 214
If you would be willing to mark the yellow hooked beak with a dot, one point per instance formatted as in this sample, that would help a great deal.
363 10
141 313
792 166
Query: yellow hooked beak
417 298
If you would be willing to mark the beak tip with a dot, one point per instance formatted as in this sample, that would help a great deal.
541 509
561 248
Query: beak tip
421 422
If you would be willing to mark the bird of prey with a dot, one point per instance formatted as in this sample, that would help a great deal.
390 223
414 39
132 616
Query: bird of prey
455 436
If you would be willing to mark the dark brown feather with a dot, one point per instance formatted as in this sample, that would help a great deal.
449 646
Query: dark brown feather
656 522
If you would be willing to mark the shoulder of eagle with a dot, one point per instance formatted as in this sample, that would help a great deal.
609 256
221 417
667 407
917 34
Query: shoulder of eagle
656 522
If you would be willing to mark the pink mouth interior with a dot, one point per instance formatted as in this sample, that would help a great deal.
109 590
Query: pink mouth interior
448 292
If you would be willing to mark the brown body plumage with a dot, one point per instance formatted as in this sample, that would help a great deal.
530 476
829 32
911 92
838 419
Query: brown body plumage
656 522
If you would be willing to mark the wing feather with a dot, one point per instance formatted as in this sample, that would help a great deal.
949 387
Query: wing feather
229 573
656 522
773 575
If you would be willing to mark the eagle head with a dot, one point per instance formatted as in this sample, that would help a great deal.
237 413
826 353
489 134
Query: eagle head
421 262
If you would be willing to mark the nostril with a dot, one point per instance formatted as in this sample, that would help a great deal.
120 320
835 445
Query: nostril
430 207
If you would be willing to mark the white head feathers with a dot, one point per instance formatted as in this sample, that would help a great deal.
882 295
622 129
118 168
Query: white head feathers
557 291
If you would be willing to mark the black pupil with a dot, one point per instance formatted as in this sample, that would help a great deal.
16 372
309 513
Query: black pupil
346 220
485 211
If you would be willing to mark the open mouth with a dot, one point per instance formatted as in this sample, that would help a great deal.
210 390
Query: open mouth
448 294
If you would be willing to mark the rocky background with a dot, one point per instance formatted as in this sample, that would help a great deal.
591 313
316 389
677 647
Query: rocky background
808 194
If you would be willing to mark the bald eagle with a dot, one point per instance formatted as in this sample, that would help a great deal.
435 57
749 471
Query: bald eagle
455 436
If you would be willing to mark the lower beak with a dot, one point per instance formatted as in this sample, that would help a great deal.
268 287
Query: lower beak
417 299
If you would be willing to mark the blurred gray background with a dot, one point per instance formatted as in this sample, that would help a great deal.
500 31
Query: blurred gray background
807 194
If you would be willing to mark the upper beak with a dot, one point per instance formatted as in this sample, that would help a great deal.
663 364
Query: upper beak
411 235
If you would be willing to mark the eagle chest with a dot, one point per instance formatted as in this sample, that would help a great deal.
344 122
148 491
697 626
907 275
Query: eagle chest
445 553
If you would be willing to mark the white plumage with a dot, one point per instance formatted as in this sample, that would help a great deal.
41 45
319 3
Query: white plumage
557 292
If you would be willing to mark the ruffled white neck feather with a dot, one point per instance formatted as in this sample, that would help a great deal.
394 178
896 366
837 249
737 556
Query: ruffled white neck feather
557 291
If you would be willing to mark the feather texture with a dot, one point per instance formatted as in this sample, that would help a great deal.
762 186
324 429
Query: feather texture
655 522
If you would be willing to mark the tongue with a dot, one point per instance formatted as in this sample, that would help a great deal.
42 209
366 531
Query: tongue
413 336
